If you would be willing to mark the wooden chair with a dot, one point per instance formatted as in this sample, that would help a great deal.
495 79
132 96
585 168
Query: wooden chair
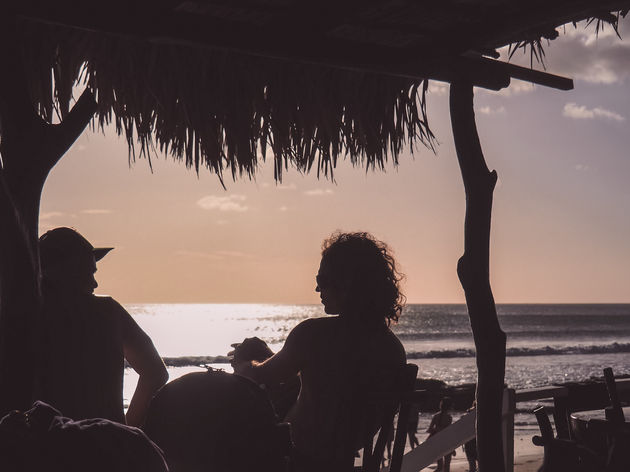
614 429
614 412
387 404
563 454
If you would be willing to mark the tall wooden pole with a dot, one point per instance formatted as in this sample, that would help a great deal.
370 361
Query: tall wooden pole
474 275
30 147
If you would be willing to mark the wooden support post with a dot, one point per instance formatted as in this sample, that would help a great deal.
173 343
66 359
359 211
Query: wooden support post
509 408
474 275
30 147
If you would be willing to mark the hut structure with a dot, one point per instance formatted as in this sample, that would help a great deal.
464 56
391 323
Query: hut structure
218 83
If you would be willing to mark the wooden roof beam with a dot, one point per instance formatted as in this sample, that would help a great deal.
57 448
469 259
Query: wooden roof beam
317 49
521 73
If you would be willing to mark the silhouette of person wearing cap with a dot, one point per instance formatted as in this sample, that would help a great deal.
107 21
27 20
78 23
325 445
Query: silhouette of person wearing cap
87 338
339 357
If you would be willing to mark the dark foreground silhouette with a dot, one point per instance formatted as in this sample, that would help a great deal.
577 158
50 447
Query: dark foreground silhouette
217 421
41 439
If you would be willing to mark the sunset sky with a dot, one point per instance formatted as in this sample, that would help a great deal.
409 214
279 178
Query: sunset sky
561 220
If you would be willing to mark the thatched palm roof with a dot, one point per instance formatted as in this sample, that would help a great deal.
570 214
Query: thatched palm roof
217 82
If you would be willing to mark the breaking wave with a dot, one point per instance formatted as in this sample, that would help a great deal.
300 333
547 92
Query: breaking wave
612 348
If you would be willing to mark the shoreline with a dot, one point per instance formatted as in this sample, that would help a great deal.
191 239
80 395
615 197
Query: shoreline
527 456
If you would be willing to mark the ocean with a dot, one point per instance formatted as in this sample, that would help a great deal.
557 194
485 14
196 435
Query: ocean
545 343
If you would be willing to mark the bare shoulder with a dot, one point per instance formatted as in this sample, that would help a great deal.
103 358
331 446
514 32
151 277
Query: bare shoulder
314 325
105 301
110 307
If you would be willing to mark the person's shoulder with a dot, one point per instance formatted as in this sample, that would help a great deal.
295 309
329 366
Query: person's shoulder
110 306
106 301
312 327
320 322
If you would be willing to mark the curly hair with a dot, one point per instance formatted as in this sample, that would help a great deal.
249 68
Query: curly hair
368 271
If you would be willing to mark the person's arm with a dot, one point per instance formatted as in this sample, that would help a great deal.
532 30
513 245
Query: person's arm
142 356
285 363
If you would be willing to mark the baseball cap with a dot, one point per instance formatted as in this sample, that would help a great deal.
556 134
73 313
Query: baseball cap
63 243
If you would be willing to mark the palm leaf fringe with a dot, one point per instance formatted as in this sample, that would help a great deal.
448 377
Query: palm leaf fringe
222 111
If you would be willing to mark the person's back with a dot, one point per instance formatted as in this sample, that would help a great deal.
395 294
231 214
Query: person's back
83 367
345 360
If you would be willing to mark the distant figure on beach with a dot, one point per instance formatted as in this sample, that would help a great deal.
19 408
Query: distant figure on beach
87 338
441 420
340 357
281 395
412 425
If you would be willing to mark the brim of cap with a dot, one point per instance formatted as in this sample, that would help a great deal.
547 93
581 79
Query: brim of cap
100 252
233 351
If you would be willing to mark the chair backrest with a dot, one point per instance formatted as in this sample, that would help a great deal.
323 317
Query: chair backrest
546 430
614 412
396 399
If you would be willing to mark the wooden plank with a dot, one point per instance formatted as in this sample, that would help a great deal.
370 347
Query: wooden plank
531 75
447 440
539 393
509 407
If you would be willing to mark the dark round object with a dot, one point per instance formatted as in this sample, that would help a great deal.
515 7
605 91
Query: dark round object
214 421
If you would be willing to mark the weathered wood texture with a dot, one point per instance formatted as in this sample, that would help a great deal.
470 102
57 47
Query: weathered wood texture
30 147
474 275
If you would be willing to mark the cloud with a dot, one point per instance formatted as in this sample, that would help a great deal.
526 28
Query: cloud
581 54
238 254
197 255
96 211
491 111
438 88
580 112
223 203
581 167
318 192
286 187
50 214
214 256
517 87
283 208
588 35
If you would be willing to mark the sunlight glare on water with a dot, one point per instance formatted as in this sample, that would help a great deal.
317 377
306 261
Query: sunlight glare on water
208 329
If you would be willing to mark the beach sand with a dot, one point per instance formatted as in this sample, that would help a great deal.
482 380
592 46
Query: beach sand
527 457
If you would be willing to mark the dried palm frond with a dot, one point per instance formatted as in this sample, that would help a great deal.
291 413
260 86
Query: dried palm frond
221 110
